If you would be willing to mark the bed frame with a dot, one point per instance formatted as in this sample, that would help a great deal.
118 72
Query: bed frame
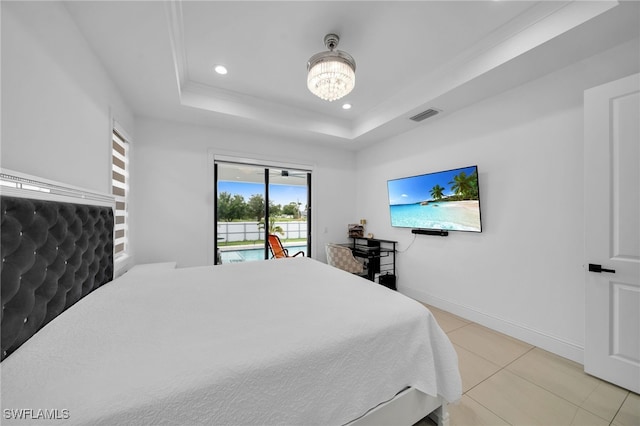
407 408
57 247
53 252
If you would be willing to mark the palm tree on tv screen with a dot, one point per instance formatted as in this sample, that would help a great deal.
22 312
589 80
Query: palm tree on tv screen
465 186
437 192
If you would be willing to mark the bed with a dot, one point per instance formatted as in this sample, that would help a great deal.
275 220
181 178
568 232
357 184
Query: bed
288 341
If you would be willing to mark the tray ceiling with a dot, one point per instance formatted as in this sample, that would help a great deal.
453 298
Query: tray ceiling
411 56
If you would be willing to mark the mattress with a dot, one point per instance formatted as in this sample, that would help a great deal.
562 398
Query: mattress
290 341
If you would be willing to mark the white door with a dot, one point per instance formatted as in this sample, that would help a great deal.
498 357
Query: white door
612 231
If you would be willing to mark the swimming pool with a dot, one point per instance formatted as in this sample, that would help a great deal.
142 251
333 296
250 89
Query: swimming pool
250 255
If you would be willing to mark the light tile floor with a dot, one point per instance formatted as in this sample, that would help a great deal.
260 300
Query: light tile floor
509 382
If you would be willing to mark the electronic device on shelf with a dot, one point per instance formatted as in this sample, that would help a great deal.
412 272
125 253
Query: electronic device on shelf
379 257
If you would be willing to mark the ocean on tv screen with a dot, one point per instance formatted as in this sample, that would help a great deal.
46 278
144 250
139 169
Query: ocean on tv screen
449 215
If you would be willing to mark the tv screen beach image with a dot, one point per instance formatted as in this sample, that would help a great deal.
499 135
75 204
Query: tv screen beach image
446 200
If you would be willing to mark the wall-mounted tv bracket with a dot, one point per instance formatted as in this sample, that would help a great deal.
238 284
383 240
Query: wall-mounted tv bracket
440 232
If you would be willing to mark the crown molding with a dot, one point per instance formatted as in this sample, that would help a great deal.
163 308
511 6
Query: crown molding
538 25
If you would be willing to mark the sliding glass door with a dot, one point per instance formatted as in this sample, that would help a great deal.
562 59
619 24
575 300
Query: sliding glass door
254 201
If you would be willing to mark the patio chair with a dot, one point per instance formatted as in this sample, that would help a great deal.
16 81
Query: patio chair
341 257
277 250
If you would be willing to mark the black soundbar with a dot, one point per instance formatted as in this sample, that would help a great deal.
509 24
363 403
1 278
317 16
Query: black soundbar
440 232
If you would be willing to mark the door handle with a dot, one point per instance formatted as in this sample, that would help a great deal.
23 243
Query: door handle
599 268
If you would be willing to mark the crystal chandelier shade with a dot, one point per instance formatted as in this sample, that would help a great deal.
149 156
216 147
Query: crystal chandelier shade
331 75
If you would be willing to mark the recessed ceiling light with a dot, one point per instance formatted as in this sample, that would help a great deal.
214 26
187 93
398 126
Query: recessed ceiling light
220 69
346 106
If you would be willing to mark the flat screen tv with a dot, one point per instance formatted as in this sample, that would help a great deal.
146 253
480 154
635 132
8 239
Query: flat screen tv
447 200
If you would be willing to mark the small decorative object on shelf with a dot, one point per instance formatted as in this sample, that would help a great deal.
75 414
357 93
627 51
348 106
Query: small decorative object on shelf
356 230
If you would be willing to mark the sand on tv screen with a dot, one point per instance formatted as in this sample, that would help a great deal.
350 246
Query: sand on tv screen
448 200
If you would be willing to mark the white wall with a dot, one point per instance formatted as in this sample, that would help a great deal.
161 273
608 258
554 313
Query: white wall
172 211
524 273
57 99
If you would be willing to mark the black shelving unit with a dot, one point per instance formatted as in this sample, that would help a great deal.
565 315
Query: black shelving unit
379 256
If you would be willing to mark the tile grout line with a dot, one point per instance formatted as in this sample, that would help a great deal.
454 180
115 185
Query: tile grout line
535 384
578 407
619 408
499 370
488 409
525 379
490 361
456 329
561 396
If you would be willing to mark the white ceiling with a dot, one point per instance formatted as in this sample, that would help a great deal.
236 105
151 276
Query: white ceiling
410 56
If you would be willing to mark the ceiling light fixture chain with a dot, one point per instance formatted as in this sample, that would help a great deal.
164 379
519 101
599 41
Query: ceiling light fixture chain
331 75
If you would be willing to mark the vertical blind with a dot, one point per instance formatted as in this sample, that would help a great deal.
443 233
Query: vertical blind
120 189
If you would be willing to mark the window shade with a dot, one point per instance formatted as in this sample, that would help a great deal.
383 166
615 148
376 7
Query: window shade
120 190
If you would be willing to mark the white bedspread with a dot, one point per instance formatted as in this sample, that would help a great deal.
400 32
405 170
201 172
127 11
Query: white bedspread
289 341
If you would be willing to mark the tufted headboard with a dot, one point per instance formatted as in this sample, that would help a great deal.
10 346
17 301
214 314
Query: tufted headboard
53 254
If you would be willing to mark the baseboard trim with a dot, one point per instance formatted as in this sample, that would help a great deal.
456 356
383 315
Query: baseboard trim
553 344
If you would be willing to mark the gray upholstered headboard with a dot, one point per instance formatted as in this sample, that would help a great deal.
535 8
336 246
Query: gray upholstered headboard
53 254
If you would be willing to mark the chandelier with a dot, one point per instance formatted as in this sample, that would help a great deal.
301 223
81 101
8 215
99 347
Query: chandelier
331 75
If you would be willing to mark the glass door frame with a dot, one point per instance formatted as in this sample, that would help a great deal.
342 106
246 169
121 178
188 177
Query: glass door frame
267 166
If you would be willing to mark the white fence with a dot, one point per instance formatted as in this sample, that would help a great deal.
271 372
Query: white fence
249 231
